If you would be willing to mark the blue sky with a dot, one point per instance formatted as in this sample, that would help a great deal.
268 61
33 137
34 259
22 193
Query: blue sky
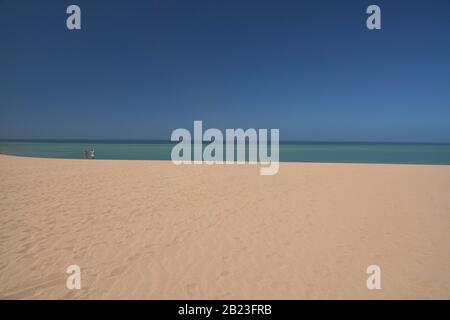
140 69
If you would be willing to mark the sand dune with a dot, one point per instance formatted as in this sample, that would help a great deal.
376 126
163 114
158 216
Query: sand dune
153 230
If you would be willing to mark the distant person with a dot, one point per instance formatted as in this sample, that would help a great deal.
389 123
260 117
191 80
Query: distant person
86 156
93 153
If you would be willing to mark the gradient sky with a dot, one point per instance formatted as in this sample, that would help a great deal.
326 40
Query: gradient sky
140 69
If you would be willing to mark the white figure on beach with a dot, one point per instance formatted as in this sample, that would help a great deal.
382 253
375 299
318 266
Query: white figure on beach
93 153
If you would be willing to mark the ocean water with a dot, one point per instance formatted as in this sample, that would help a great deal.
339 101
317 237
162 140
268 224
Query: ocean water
289 151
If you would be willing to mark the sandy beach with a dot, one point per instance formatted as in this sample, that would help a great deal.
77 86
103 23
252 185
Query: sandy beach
153 230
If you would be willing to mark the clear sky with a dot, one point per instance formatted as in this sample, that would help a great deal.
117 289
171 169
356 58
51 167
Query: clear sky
140 69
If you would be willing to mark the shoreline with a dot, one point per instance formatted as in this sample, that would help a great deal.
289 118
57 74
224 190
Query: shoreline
231 164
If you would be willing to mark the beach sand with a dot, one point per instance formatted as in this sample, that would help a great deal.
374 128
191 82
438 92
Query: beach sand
153 230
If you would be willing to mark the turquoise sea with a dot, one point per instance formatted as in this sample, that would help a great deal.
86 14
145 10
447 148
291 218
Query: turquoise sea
289 151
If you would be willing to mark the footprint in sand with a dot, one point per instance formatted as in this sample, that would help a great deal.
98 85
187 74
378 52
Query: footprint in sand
222 274
191 289
118 271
